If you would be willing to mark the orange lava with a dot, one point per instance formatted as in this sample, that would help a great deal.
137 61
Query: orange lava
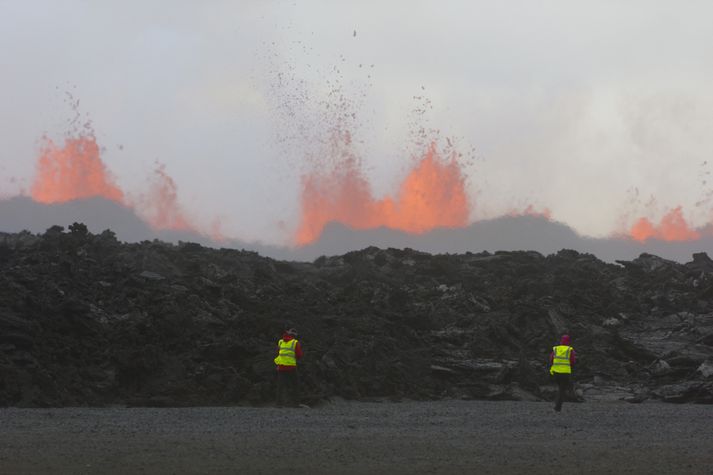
76 171
160 207
673 227
72 172
432 195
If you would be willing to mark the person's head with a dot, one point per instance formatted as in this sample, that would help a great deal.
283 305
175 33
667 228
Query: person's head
565 340
292 332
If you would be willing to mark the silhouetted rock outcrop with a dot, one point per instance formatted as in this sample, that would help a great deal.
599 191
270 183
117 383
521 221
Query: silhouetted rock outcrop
506 233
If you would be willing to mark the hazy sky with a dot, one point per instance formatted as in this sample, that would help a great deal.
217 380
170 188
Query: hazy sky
590 109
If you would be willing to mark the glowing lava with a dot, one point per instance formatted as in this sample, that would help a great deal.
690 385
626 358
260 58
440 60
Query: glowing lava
160 206
72 172
432 195
76 171
673 227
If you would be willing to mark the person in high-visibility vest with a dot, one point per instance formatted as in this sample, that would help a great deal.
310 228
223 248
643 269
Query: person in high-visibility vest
289 351
562 359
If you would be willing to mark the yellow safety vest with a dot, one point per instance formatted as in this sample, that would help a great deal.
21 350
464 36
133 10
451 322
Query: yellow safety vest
286 356
560 361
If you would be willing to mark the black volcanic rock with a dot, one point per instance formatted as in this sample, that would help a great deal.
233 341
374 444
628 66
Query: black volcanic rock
701 263
88 320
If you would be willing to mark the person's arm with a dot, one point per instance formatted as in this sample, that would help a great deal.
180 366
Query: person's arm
298 350
572 357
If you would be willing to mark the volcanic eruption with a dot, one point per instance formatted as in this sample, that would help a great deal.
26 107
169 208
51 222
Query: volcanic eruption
72 172
672 227
75 171
431 195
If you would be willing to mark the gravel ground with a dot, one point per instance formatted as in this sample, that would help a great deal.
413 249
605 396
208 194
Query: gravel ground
349 438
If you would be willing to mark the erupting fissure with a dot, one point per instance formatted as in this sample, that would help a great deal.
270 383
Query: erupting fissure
673 227
72 172
76 171
432 195
161 204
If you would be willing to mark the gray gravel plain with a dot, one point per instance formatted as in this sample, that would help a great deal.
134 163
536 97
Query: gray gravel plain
355 437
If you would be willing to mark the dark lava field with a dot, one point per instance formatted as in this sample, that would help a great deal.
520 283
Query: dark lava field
86 320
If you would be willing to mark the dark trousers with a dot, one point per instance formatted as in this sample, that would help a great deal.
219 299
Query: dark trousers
287 388
564 385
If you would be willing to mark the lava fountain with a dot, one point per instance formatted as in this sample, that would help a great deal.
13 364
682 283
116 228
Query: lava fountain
432 195
76 171
673 227
160 205
72 172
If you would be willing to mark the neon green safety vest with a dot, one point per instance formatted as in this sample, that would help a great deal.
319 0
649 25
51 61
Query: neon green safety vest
560 361
286 357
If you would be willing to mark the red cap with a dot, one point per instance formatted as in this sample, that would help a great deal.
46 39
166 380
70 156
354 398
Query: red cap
565 340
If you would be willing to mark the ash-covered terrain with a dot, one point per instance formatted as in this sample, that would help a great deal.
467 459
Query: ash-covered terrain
88 320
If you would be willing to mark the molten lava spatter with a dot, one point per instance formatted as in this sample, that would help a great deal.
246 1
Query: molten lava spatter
160 207
673 227
72 172
76 171
432 195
